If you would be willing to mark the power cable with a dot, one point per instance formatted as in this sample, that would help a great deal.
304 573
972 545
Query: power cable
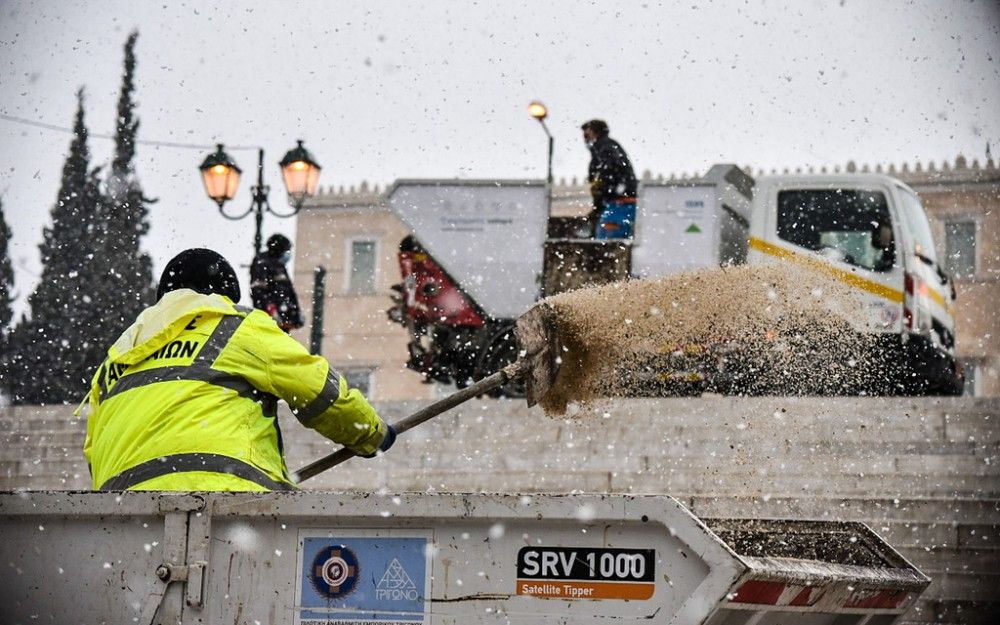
162 144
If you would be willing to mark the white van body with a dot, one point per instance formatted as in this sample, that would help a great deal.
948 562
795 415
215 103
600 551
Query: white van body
827 224
924 309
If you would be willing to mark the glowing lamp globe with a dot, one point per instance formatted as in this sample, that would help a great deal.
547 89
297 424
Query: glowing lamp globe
301 174
221 176
538 111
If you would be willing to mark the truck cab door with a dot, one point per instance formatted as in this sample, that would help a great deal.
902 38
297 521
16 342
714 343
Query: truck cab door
848 233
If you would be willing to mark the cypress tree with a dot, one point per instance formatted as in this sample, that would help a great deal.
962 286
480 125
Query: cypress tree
127 125
128 287
6 297
57 349
6 275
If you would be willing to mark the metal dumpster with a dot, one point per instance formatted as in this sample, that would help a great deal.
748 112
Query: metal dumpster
315 557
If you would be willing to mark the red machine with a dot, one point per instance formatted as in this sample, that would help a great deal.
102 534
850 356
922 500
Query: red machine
448 331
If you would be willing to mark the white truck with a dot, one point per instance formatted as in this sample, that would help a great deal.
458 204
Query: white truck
482 252
311 558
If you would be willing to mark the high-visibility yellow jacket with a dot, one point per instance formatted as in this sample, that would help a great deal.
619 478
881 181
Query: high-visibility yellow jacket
187 400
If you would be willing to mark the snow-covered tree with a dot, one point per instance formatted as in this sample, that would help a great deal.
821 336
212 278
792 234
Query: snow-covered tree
6 287
56 350
128 287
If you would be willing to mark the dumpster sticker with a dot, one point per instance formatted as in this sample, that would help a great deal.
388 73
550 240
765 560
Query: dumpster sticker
585 573
363 576
334 571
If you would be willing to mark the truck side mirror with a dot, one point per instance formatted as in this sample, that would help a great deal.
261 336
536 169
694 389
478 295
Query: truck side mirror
945 278
882 236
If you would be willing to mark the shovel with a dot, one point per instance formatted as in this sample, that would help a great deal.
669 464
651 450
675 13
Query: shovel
538 342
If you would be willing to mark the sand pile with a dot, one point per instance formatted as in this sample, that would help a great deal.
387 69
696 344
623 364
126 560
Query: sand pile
736 330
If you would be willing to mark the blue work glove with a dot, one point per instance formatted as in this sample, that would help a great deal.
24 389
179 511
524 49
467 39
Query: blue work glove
390 438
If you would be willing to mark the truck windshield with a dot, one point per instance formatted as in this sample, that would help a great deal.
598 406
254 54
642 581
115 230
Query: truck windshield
842 224
917 224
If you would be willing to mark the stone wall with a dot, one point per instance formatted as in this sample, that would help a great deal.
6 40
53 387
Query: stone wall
924 473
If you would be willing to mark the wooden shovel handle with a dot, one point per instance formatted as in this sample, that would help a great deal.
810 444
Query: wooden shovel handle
498 379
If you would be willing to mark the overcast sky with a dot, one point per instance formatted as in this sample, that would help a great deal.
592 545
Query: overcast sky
385 90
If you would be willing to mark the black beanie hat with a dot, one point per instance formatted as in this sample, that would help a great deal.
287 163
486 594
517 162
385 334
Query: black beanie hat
200 270
278 244
599 126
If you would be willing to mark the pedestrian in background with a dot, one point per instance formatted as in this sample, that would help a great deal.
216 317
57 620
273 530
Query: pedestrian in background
270 287
612 184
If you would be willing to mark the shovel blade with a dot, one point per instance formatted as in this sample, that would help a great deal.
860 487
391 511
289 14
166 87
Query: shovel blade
537 333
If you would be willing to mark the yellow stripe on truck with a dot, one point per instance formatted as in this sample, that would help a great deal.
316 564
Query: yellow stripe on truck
939 300
852 279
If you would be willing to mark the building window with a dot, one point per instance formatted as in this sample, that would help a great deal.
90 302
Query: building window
971 368
960 248
360 379
361 268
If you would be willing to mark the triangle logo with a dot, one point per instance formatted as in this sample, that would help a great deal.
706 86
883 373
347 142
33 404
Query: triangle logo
395 578
693 228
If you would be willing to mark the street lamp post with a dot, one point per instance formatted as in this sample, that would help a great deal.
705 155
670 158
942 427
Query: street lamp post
537 110
221 176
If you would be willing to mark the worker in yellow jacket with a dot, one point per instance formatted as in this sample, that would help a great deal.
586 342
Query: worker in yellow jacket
187 397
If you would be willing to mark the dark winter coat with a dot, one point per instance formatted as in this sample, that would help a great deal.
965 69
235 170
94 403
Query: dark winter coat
272 291
610 173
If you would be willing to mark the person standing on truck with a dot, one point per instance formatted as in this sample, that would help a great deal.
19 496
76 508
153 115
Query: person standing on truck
187 398
270 287
612 184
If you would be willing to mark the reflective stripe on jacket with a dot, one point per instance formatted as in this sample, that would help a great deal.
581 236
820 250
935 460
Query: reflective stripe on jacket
194 382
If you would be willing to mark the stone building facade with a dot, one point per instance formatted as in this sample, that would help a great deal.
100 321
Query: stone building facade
353 235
